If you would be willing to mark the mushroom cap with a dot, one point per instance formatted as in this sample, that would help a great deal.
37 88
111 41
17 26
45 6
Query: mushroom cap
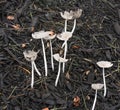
66 15
30 55
40 34
97 86
77 13
50 36
59 59
104 64
64 36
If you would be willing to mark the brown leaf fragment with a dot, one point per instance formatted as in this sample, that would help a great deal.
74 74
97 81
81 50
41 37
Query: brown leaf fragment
16 26
46 108
10 17
76 101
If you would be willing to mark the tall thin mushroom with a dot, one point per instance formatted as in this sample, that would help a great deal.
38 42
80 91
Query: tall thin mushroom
64 36
96 87
41 35
50 37
60 60
68 16
31 56
76 14
103 65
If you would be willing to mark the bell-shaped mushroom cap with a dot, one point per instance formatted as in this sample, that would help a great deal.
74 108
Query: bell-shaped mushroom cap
77 14
30 55
104 64
64 36
66 15
40 34
97 86
59 59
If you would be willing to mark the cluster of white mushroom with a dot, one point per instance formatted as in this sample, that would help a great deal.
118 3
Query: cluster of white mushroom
64 36
49 35
98 86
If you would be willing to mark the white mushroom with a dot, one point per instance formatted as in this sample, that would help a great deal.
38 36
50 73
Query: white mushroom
50 37
71 15
60 60
64 36
41 35
103 65
31 56
96 87
67 16
76 14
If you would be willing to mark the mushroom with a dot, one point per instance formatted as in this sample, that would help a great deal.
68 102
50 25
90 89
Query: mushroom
50 37
67 16
96 87
71 15
31 56
103 65
41 35
60 60
64 36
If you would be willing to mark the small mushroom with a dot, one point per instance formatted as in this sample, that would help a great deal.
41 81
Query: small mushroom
103 65
31 56
76 14
50 37
60 60
64 36
41 35
67 16
96 87
71 15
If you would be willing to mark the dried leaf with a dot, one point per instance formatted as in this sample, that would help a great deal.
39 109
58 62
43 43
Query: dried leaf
23 45
16 26
67 75
26 70
10 17
45 108
75 46
87 72
76 101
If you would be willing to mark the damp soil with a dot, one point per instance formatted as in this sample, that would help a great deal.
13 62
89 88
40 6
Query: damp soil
96 38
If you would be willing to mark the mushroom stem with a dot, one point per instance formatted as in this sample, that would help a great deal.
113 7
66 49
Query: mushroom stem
63 44
104 82
65 52
74 26
36 69
32 79
58 75
65 25
93 107
52 63
45 61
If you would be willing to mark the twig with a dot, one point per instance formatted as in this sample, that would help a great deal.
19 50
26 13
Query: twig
11 93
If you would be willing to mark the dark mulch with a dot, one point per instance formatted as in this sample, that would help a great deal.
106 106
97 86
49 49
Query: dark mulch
97 37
